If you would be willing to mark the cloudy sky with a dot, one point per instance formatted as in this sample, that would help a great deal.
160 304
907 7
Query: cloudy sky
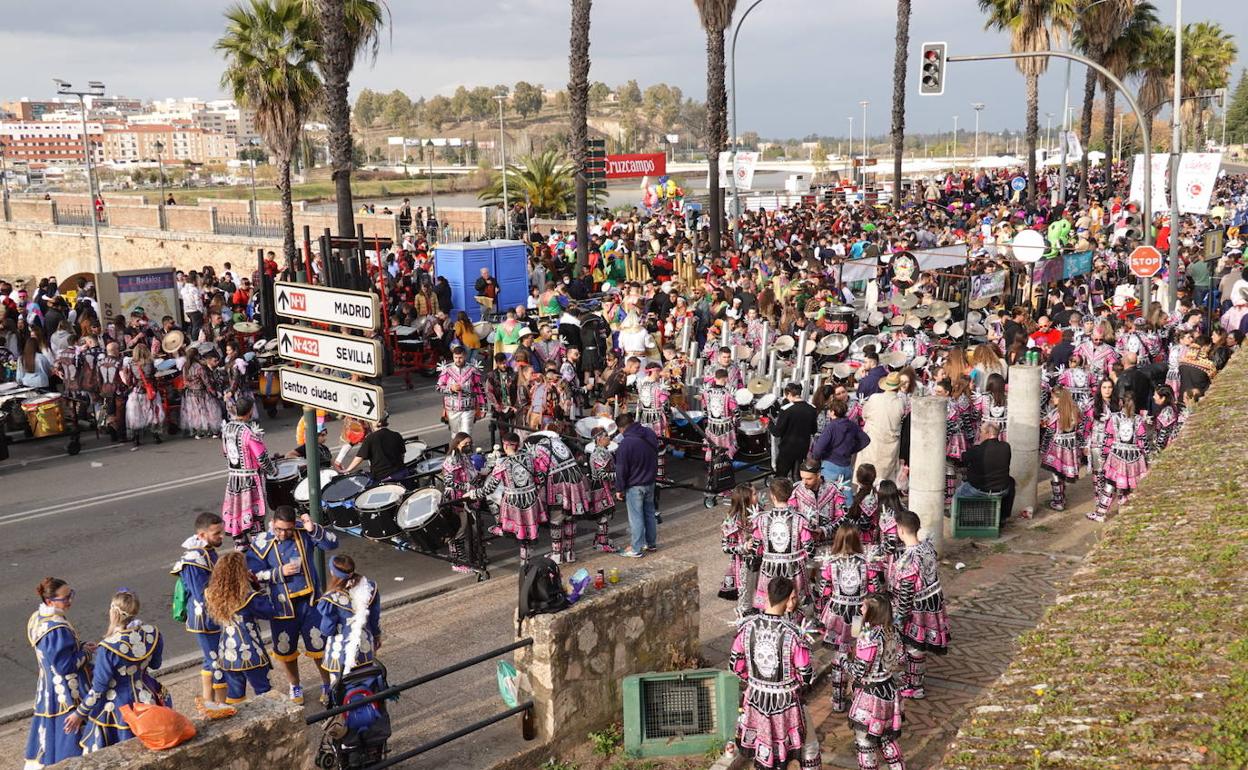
802 65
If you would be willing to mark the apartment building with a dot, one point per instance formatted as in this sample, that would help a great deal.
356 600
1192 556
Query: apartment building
52 142
179 142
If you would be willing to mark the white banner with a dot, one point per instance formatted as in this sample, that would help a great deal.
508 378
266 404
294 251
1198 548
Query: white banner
746 161
1198 171
394 141
1159 163
1074 149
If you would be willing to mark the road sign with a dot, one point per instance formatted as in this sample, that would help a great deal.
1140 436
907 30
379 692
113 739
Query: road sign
340 307
339 351
354 399
1018 183
1145 261
1213 244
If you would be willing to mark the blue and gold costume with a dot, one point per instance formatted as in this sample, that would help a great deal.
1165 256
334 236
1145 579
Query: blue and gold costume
120 677
195 570
61 676
242 657
293 596
351 623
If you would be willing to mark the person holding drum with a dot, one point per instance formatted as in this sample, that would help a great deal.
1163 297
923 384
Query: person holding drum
523 506
281 559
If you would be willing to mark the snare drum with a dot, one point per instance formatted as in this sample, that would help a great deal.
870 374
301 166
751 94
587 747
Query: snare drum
281 485
842 320
338 499
44 415
413 451
430 466
752 439
301 489
765 404
425 522
377 508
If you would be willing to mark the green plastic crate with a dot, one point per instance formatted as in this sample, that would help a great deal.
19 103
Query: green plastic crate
679 713
976 516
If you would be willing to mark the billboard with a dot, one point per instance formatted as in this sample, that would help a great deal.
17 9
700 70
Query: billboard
646 164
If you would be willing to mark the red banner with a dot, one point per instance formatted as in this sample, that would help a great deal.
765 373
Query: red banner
624 166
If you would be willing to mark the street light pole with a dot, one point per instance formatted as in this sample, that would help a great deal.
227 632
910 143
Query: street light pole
732 58
1048 134
502 149
94 88
1176 148
977 106
4 179
953 146
160 165
433 208
849 149
864 104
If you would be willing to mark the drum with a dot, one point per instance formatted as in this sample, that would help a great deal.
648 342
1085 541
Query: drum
425 522
44 415
752 439
281 485
301 489
338 499
765 404
684 428
585 426
270 382
430 466
377 508
412 452
842 320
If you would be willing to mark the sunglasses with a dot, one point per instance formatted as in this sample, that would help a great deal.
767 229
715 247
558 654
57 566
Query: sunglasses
63 598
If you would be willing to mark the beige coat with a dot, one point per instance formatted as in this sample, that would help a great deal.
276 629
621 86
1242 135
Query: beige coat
882 415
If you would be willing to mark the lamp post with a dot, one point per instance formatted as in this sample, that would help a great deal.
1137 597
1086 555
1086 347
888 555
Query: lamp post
732 58
502 151
253 144
977 106
1176 147
849 148
94 88
864 104
1048 133
159 146
953 144
4 180
433 208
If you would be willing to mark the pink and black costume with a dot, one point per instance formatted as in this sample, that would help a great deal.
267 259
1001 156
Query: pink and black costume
957 416
784 541
458 474
249 462
461 405
823 509
523 505
919 607
721 419
1060 457
602 495
772 657
566 491
876 712
844 581
1125 463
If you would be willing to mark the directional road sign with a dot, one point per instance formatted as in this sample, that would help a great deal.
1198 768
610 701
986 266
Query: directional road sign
1145 261
339 351
332 394
340 307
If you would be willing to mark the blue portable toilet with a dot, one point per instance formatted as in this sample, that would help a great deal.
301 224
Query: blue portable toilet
461 264
511 270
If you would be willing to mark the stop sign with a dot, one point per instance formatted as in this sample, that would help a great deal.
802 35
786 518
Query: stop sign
1145 261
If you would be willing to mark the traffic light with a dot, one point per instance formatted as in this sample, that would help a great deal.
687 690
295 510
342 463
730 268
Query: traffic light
932 69
1133 223
595 169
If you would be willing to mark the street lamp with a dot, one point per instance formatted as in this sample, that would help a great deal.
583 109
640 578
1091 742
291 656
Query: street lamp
433 207
253 144
502 151
953 146
977 106
94 88
864 104
160 164
736 199
849 146
4 180
1048 134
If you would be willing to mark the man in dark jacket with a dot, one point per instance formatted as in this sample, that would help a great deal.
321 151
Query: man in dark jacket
1134 384
988 470
636 468
869 385
841 439
794 427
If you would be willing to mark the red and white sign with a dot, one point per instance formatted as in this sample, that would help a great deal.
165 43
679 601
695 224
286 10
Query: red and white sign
1145 261
340 307
338 351
647 164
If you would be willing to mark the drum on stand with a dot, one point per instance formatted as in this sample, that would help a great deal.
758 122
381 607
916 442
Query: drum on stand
752 439
424 520
281 485
685 429
842 320
413 452
338 499
765 406
428 470
45 414
377 508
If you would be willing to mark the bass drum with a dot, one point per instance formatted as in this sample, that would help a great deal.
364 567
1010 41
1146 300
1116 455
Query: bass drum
842 320
424 520
301 489
377 508
338 499
752 439
281 485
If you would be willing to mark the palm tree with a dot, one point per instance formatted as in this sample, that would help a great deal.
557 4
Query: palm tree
1099 25
716 16
547 181
345 29
1122 57
578 96
271 53
901 45
1033 26
1208 53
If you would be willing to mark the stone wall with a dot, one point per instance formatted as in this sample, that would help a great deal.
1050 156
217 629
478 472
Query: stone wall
190 219
134 216
33 210
268 732
580 656
110 199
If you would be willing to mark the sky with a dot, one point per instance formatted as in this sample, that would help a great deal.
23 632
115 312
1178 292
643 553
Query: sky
803 66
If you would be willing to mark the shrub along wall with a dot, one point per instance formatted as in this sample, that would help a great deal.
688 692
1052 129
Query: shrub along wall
1143 660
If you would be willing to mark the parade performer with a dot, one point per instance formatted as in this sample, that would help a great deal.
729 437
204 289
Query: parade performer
281 559
462 392
821 503
772 656
119 676
235 602
350 612
501 397
145 409
783 540
1096 428
522 508
652 398
111 409
458 483
194 570
201 411
992 404
1125 462
549 402
735 378
875 715
566 492
249 463
865 509
1061 455
741 577
844 580
914 582
236 372
1098 354
602 488
721 415
1165 420
1076 379
62 660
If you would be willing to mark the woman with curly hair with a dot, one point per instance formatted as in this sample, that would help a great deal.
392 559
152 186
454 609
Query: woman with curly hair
235 602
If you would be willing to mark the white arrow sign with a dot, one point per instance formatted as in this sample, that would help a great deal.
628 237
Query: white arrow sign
340 307
339 351
353 399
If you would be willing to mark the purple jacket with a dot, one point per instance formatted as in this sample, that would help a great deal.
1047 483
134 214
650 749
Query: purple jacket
636 458
840 440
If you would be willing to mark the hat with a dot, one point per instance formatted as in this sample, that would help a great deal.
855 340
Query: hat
919 362
891 382
525 331
785 343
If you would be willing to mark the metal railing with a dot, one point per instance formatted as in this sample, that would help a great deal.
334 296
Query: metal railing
79 216
243 224
425 679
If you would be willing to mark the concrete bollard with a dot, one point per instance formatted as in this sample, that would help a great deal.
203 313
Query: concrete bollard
927 464
1023 430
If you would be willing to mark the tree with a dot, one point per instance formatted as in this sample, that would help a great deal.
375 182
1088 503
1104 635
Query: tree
1098 26
1033 26
901 45
1208 53
368 106
716 16
439 111
629 96
1237 111
578 98
481 103
599 92
548 181
526 98
397 110
1123 58
271 53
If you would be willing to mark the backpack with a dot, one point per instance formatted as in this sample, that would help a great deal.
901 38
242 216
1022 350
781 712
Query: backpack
541 590
179 600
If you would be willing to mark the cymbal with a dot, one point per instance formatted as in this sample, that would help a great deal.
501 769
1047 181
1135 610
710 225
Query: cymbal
246 327
758 386
832 344
843 371
172 341
979 303
894 359
907 301
743 353
785 343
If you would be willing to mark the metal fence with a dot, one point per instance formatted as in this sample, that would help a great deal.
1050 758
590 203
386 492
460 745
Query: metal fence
243 224
78 216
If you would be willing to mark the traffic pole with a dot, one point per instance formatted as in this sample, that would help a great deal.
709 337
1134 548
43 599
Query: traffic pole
311 443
